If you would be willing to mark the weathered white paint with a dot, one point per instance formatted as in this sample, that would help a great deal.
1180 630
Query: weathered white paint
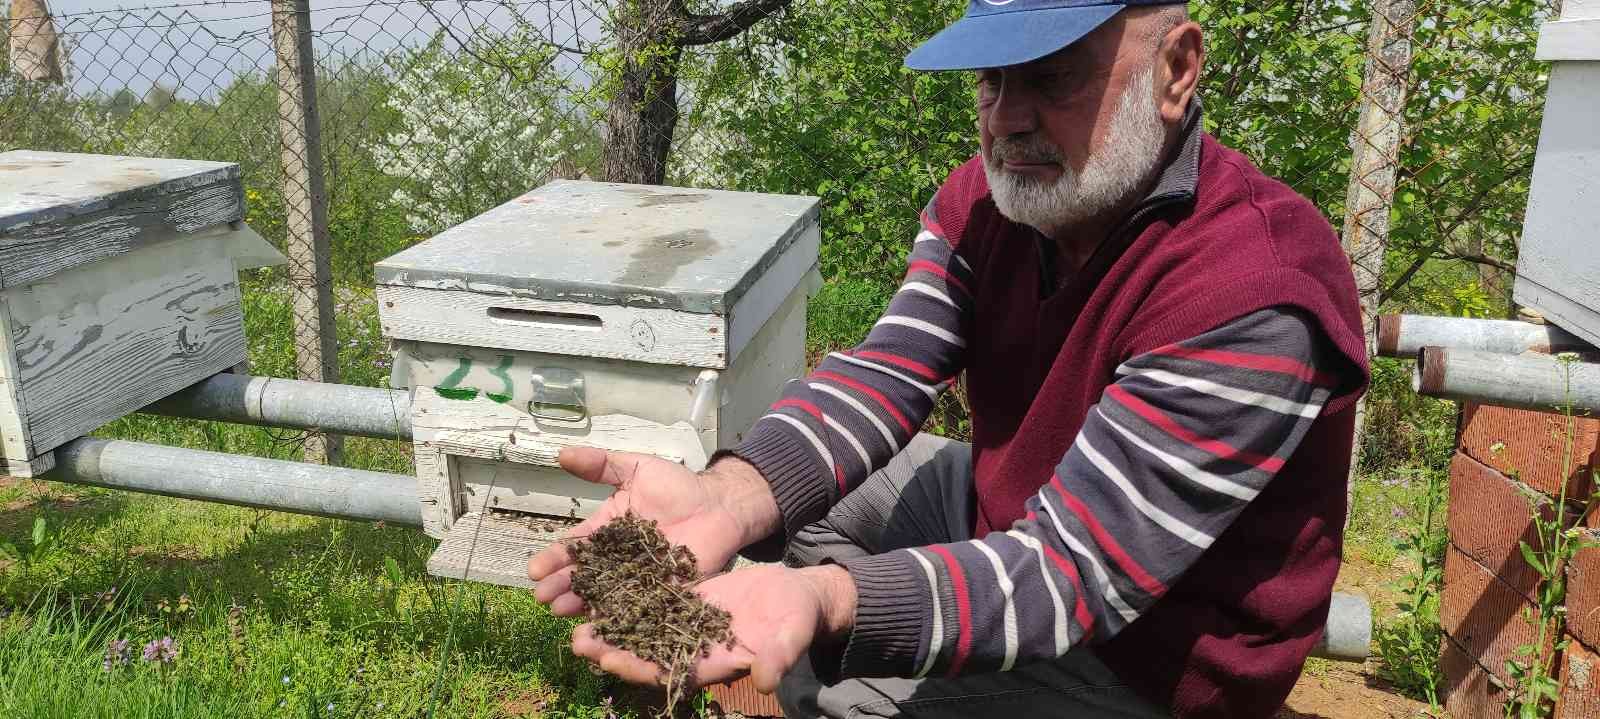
493 548
566 328
776 356
1558 262
28 467
86 360
693 250
658 393
14 445
641 290
472 450
63 210
98 341
756 307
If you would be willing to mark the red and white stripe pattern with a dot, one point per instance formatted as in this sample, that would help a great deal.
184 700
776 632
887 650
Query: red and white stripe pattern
858 408
1161 467
1183 440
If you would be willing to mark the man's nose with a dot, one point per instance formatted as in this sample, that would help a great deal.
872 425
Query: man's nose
1012 113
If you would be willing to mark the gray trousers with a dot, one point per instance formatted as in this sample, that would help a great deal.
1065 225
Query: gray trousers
925 496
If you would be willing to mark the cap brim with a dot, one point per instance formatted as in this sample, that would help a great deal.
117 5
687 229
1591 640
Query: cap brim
1005 39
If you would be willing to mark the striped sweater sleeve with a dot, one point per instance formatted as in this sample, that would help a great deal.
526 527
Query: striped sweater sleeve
859 407
1176 447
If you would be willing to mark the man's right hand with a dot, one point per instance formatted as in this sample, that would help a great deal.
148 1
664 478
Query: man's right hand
714 513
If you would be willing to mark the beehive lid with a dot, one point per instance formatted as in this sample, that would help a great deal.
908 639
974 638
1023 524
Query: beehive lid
60 210
688 250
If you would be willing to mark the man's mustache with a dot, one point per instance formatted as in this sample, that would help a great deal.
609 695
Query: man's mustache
1029 148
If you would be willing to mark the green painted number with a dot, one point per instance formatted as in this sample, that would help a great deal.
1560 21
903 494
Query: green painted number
502 371
451 387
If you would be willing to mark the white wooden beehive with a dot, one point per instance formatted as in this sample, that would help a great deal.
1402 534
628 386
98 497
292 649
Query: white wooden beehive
626 317
1558 256
118 287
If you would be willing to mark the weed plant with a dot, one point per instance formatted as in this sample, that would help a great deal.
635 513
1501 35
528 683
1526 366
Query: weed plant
1534 687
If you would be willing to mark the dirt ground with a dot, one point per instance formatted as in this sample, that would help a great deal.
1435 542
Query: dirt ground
1342 690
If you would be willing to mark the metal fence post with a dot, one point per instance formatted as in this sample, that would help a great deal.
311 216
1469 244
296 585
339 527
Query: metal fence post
305 199
1375 161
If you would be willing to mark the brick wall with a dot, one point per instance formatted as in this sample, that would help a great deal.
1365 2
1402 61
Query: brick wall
1507 462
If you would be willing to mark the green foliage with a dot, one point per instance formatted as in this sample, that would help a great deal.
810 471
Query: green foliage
32 114
1473 120
1410 642
1532 668
1280 86
815 101
42 542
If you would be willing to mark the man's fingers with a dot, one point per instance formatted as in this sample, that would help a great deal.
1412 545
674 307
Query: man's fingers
551 559
567 605
612 660
598 465
630 668
556 557
553 586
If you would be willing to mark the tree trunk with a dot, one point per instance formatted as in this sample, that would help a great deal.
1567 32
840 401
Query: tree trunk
643 112
35 50
1375 148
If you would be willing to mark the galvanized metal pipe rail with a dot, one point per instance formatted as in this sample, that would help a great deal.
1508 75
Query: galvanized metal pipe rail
1406 335
344 493
296 404
1528 381
275 484
1348 634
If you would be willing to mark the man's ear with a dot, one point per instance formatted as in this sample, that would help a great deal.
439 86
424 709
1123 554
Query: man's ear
1179 60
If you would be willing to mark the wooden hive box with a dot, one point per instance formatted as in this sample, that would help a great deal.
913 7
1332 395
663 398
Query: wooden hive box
118 287
637 318
1558 259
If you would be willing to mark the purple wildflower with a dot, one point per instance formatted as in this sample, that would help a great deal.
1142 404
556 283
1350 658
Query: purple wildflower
1398 513
162 650
117 654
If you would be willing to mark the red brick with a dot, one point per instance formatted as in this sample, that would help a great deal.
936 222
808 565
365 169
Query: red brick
1481 613
1529 446
1490 517
741 697
1583 596
1469 692
1580 683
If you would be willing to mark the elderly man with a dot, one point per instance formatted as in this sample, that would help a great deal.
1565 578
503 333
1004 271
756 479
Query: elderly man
1162 350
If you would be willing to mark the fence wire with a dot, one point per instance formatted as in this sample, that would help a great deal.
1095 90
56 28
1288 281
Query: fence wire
434 111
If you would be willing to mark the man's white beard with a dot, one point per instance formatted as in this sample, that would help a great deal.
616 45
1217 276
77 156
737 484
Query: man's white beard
1124 162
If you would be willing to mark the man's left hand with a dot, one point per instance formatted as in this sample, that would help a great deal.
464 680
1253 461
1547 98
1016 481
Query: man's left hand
777 613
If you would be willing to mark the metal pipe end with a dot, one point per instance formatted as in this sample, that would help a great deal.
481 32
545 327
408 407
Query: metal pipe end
1427 378
1389 335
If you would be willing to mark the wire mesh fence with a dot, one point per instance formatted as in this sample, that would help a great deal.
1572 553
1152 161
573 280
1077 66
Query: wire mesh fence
431 112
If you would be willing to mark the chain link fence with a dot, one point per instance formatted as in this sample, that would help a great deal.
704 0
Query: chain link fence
1411 123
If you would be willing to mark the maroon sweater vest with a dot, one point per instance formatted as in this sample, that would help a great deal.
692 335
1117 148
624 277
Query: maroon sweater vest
1230 638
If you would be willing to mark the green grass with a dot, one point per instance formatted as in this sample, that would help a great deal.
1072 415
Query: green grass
333 618
339 619
333 613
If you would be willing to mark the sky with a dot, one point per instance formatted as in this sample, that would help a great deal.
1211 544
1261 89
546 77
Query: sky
198 46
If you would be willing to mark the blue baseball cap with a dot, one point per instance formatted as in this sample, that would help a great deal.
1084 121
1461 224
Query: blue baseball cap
999 33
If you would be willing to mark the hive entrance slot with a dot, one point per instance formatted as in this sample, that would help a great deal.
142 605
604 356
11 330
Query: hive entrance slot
546 318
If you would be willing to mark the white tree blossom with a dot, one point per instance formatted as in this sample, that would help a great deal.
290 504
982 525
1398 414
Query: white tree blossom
471 135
